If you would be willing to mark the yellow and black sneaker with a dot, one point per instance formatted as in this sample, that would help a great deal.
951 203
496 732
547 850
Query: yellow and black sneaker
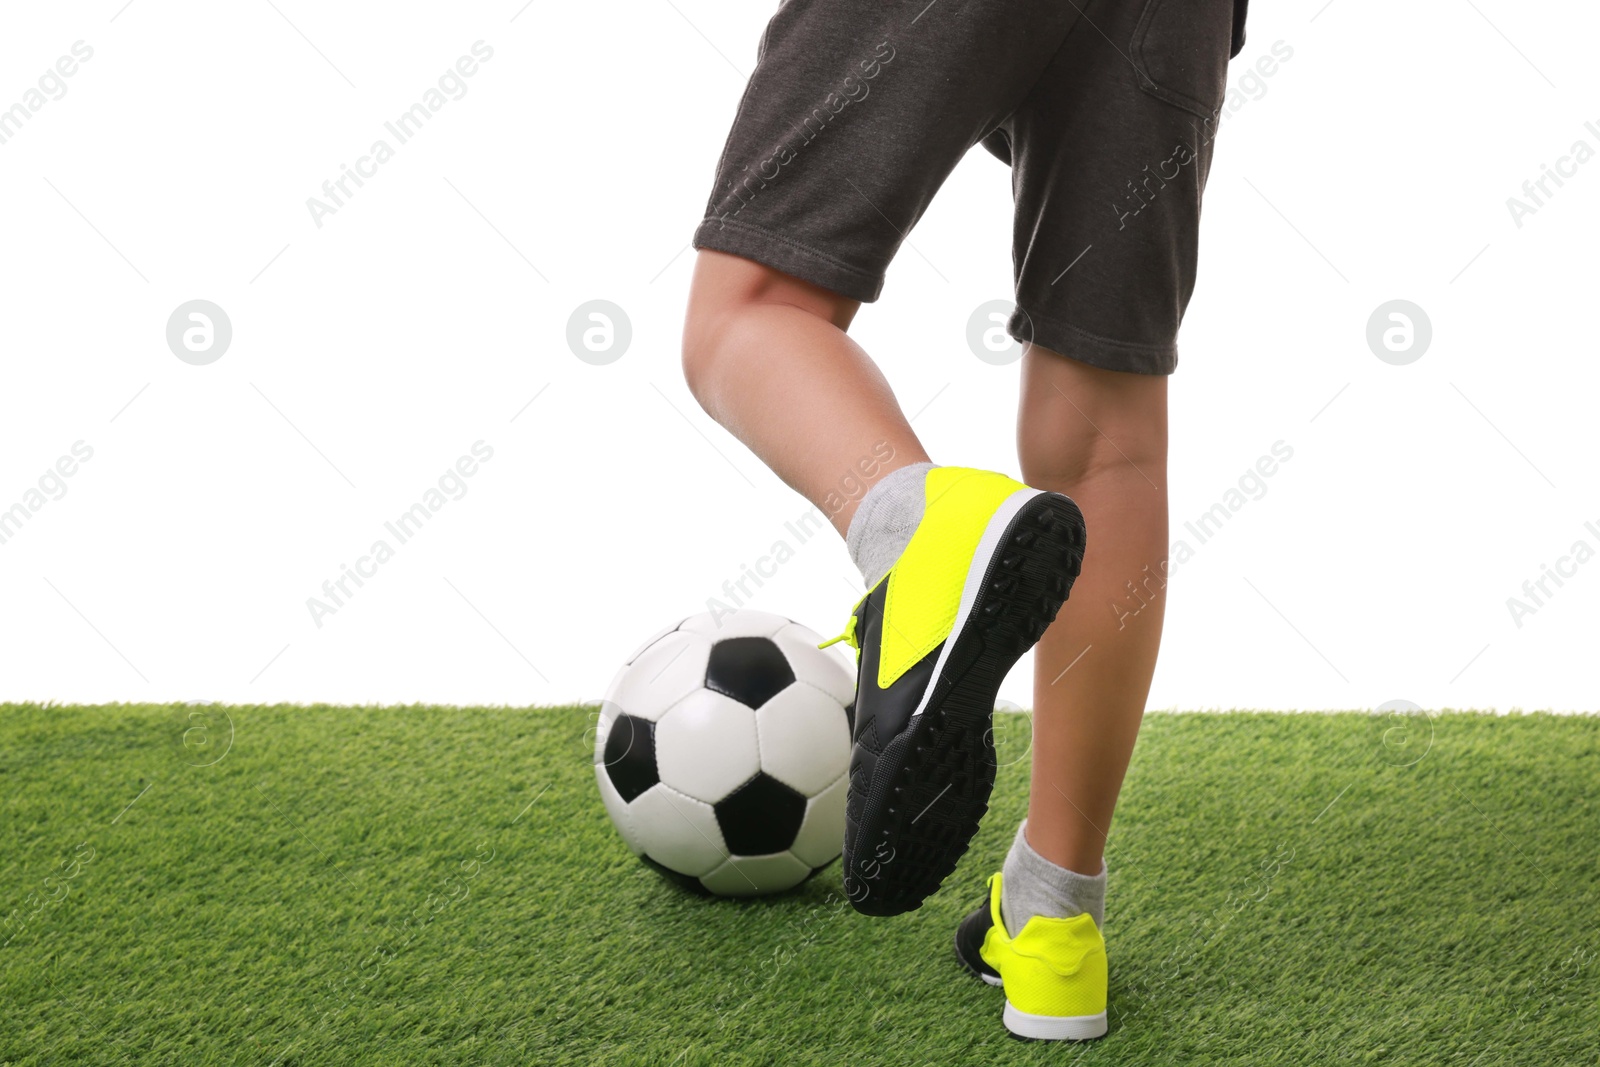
1053 970
983 575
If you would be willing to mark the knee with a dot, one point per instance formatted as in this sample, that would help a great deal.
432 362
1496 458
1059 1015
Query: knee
729 302
718 340
705 328
724 292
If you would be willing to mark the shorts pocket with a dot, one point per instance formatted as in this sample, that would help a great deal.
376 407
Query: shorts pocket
1180 50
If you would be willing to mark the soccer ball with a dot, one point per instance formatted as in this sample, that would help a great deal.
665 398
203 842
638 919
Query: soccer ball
723 753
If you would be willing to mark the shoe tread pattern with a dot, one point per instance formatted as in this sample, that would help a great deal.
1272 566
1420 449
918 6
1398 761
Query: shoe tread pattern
915 805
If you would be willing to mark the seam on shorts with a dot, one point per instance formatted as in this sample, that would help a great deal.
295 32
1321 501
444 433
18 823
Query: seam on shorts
1165 93
875 277
738 111
1028 92
1162 350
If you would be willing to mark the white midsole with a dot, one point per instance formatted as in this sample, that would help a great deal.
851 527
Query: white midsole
992 533
1054 1027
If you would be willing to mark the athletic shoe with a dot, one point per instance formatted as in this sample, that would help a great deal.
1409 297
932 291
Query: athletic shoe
1053 972
983 575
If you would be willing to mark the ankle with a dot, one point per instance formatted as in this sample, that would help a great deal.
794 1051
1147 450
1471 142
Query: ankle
1033 885
1079 856
885 519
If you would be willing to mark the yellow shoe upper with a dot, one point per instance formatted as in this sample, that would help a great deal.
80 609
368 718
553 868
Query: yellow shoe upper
925 583
1053 967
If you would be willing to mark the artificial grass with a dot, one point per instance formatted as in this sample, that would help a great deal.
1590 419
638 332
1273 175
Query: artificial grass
440 885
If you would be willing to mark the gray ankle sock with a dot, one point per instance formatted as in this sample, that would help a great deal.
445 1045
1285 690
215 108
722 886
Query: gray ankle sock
885 520
1031 885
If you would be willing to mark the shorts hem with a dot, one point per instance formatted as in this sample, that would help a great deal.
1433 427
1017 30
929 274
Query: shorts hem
788 255
1085 347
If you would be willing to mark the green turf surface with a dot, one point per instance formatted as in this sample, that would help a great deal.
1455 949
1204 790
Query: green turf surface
440 885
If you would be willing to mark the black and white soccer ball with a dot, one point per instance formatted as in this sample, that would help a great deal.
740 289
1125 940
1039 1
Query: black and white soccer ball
723 752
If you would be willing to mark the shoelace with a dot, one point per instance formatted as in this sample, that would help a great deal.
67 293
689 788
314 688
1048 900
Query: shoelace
849 635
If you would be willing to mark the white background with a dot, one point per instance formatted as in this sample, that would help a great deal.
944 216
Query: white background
368 354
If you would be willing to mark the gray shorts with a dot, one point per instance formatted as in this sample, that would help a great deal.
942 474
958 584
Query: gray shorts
1104 109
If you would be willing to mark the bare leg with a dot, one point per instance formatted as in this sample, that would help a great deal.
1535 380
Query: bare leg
1100 437
767 356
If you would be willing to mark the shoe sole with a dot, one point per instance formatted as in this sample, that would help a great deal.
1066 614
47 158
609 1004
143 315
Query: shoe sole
1028 1027
940 769
1025 1026
988 979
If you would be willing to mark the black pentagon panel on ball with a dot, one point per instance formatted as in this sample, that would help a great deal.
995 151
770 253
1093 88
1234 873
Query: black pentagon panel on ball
630 755
677 878
751 670
760 817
